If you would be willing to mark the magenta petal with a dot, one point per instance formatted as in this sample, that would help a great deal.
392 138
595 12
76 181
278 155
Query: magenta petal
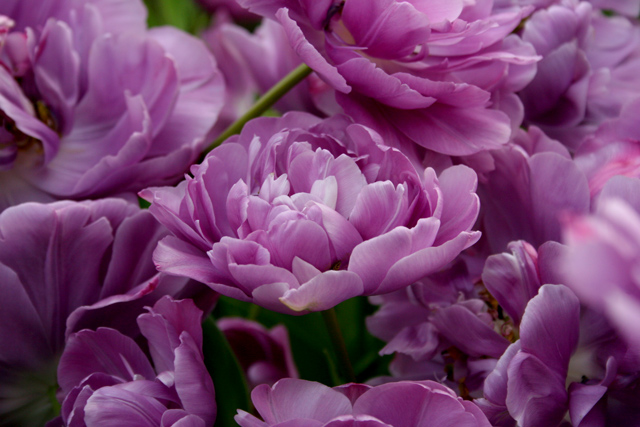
380 207
21 318
309 54
324 291
290 399
192 381
180 418
356 421
415 404
425 261
174 256
536 395
370 81
163 327
467 332
115 407
461 203
550 327
201 95
583 399
373 258
105 350
454 131
513 278
302 238
17 107
343 236
375 25
495 385
57 73
549 198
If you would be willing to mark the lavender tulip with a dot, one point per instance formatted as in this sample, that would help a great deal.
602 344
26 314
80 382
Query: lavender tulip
548 374
601 261
252 62
534 182
92 104
231 7
66 266
107 379
612 153
587 72
264 355
443 327
514 278
298 403
414 71
529 380
298 214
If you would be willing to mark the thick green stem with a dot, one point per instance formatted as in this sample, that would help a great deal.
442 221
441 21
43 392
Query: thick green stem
331 321
264 103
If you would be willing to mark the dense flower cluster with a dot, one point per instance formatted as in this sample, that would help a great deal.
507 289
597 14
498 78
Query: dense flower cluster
461 178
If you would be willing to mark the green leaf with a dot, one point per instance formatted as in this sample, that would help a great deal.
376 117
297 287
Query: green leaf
363 347
184 14
310 342
229 381
307 334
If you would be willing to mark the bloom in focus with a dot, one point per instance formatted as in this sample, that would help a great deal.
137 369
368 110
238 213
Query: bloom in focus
297 214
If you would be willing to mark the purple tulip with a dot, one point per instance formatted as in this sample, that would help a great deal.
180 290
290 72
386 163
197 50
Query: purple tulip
107 379
587 73
63 267
442 327
252 62
298 403
264 355
298 214
612 153
549 375
528 383
534 182
92 104
602 259
231 7
431 73
514 278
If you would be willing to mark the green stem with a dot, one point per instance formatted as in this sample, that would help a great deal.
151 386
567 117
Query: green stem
264 103
331 321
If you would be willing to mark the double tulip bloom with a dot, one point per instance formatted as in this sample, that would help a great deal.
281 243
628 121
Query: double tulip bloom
94 104
297 214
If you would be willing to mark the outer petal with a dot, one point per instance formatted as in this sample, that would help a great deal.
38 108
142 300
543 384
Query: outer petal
309 54
291 399
373 258
415 404
550 327
535 394
324 291
105 350
113 407
467 332
192 381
